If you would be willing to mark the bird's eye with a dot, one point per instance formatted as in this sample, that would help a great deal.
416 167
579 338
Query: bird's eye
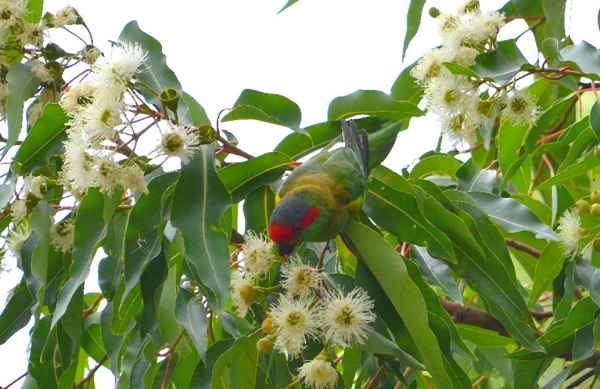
298 228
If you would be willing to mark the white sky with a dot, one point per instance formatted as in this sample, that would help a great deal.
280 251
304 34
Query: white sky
311 53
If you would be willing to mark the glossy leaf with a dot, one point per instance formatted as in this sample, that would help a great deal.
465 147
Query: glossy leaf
373 103
405 87
436 272
156 75
266 107
413 21
559 338
22 85
199 201
390 271
242 178
297 145
589 162
547 269
512 216
45 139
189 312
502 64
17 312
398 212
584 57
237 366
588 276
197 113
443 165
258 206
142 240
90 228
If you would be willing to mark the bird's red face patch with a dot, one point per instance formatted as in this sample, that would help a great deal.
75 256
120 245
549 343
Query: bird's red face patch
309 218
287 233
281 233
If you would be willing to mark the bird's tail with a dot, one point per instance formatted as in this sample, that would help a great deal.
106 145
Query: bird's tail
357 143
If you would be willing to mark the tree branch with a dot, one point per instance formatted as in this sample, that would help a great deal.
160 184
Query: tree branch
523 247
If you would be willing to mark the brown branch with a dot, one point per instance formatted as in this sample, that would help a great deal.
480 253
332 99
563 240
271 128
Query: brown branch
86 312
523 247
476 317
234 149
93 371
376 378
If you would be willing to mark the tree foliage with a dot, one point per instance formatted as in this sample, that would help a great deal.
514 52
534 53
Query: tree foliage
477 266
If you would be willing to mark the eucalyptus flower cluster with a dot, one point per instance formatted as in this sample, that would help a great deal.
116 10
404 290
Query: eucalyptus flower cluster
456 98
303 308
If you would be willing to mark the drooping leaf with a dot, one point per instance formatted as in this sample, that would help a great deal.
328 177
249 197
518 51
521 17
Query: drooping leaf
189 312
390 271
16 314
439 164
258 206
502 64
512 216
266 107
236 368
156 75
90 228
547 269
288 4
436 272
373 103
45 139
199 201
413 21
584 57
22 85
405 87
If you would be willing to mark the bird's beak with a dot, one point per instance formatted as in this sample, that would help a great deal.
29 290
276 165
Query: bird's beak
285 248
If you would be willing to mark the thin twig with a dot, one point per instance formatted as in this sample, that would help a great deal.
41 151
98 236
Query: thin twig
523 247
93 371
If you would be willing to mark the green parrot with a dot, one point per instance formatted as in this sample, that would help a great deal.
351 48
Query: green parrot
318 197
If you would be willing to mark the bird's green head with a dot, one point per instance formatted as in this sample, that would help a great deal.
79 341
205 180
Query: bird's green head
290 219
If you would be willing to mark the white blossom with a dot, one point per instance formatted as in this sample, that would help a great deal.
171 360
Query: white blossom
520 108
295 322
257 254
177 141
569 231
243 293
318 373
300 279
345 318
61 235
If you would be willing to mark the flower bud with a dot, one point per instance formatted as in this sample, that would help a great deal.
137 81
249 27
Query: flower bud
595 210
264 345
268 326
434 12
596 244
248 293
595 196
582 207
597 151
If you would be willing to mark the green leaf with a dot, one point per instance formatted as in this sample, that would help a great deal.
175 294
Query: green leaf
502 64
151 284
266 107
436 272
391 273
258 206
588 276
405 87
398 212
237 367
90 228
413 21
382 142
242 178
378 344
441 164
287 5
17 312
583 57
199 201
142 238
586 164
156 75
297 145
460 70
373 103
560 337
483 337
483 262
512 216
189 312
197 113
509 140
554 11
22 85
472 179
45 139
548 267
41 356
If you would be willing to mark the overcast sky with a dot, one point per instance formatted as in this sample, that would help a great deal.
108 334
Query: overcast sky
311 53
